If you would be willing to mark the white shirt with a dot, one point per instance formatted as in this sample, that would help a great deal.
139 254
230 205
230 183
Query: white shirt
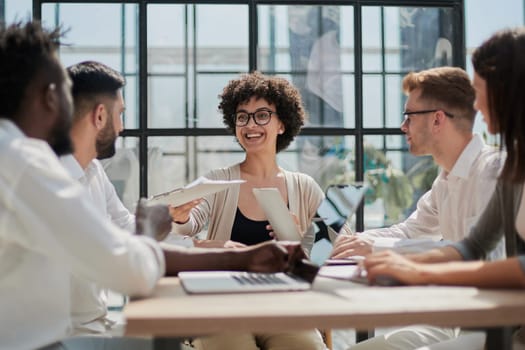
88 300
48 230
456 199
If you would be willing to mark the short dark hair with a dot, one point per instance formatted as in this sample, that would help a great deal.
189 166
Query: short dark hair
277 91
91 81
500 61
447 87
26 51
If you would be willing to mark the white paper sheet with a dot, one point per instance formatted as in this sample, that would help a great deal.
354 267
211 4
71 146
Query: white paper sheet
199 188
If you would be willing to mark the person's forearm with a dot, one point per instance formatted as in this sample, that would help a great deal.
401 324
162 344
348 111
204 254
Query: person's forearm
496 274
208 243
436 255
183 259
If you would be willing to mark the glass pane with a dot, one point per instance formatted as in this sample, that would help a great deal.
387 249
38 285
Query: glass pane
166 96
392 18
426 37
372 41
349 101
373 101
169 62
106 42
167 170
396 178
123 171
131 93
222 37
311 44
179 35
328 159
209 86
16 10
400 39
394 101
166 38
347 38
130 39
273 38
103 42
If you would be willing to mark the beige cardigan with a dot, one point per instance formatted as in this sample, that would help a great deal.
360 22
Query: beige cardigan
304 197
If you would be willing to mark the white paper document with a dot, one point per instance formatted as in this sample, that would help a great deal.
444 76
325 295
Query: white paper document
404 245
199 188
352 273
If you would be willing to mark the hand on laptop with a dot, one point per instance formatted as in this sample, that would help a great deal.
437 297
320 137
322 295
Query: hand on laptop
346 245
390 268
274 257
153 221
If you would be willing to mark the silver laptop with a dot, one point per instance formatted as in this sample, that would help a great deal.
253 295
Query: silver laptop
204 282
340 200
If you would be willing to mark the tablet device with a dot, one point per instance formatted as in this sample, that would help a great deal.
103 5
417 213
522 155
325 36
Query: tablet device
338 206
277 213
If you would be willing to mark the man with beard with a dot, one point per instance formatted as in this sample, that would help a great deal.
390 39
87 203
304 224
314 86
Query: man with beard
50 230
98 106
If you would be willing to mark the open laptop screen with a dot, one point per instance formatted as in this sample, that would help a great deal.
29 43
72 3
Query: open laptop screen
338 207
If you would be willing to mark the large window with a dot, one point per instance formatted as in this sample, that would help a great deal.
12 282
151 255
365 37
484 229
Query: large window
346 57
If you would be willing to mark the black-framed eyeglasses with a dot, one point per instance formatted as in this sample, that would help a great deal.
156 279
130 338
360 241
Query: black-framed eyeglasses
407 113
260 117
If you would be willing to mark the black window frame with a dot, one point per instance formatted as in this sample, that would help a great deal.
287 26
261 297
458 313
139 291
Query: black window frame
359 131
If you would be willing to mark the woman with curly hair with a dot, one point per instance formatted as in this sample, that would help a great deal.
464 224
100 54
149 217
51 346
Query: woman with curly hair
265 113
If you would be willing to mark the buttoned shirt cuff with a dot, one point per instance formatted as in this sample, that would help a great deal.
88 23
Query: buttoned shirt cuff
465 253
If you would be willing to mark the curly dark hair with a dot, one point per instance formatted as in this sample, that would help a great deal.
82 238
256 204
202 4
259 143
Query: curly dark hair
26 50
277 91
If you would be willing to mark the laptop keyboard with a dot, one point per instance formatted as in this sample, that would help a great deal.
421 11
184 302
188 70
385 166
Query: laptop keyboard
258 279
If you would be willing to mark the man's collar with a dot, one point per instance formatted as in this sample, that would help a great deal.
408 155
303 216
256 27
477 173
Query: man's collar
73 166
463 164
11 128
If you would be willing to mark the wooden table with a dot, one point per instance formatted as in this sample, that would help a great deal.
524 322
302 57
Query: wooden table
170 312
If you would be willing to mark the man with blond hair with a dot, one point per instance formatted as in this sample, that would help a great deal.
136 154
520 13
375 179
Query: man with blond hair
438 121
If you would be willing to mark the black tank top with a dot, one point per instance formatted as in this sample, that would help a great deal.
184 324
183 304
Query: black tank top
248 231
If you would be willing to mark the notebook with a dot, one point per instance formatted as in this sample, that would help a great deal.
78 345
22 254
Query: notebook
339 200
